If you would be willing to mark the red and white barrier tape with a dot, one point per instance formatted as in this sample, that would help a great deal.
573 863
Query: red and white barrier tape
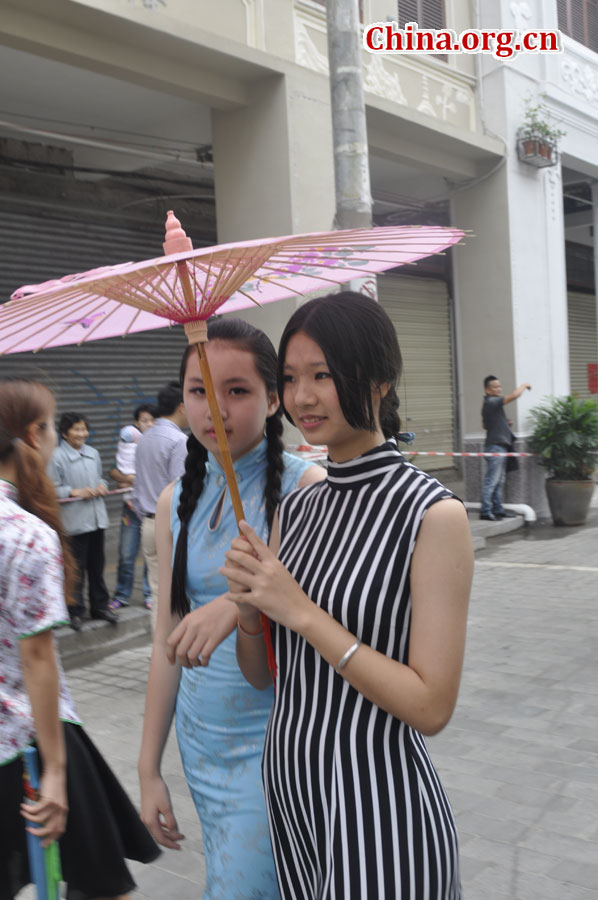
308 452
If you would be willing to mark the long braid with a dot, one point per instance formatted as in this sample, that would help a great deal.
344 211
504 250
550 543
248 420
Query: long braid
274 452
191 488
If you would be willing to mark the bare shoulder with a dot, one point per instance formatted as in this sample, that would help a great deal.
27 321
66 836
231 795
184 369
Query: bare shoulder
449 511
444 531
312 475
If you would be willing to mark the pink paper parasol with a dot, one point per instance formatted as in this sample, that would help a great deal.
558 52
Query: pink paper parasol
187 286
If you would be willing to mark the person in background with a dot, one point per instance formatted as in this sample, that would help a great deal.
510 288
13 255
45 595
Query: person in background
159 459
76 471
130 524
81 804
499 439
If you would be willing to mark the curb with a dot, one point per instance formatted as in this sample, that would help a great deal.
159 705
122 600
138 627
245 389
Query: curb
98 639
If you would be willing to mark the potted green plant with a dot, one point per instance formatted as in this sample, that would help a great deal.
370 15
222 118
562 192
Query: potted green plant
565 439
538 136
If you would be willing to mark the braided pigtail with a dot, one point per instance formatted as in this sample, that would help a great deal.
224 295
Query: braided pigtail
390 422
274 452
191 488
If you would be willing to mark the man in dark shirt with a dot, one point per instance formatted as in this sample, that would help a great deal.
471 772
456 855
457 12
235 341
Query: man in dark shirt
499 438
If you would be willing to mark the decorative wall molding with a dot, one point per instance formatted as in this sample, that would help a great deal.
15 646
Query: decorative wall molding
254 18
522 15
580 78
448 98
380 81
425 104
306 52
421 83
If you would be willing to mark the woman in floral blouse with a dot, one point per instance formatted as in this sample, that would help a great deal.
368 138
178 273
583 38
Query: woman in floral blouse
101 826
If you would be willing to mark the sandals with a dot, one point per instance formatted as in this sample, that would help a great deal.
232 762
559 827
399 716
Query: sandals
115 604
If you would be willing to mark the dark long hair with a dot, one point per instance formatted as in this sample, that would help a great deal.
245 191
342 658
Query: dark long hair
22 403
245 337
360 345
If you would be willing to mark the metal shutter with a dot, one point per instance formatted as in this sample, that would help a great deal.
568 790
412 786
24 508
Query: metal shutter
427 13
104 380
583 340
420 311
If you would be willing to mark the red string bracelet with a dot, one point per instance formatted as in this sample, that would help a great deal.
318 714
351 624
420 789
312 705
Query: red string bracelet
252 634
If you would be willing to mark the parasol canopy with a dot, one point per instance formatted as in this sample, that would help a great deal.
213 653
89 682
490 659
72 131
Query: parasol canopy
131 297
187 286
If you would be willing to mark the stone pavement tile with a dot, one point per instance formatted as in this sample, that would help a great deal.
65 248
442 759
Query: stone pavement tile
517 776
539 887
494 882
185 863
489 882
583 874
470 867
576 772
470 784
495 829
524 793
582 790
514 811
561 847
510 857
159 884
555 745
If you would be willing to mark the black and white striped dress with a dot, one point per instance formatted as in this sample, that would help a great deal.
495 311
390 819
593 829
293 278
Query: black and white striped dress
356 809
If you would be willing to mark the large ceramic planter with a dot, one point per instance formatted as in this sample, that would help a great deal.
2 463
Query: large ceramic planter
569 501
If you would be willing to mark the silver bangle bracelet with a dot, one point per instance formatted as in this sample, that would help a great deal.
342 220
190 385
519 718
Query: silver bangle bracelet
347 656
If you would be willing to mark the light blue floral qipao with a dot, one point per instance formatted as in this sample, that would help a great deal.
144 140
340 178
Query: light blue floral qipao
220 719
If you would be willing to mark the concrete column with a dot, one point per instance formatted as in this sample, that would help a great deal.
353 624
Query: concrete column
273 169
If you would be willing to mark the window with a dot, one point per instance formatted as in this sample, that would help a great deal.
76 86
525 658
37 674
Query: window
427 13
579 19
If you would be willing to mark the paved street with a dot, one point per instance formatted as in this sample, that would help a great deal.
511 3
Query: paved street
518 759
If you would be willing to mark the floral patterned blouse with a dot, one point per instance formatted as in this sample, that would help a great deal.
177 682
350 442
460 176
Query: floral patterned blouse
31 601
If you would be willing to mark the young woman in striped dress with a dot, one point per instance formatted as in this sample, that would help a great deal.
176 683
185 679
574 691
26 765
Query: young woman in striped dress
368 599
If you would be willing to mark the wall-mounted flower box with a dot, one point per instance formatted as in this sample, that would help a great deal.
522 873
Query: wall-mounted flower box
538 137
536 151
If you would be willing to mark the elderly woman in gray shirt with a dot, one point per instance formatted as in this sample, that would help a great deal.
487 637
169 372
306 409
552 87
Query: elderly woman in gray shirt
76 471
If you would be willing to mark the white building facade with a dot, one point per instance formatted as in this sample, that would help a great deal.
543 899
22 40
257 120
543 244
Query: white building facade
116 110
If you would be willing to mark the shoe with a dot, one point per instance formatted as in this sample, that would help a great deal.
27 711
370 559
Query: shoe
489 517
115 603
148 602
106 614
506 514
76 623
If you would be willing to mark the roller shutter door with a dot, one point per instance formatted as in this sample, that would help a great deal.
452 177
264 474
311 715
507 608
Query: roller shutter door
420 311
583 341
104 380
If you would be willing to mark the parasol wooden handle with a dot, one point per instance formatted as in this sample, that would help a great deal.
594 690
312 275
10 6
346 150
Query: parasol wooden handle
225 457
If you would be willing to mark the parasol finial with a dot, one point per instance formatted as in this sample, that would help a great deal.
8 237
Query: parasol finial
176 239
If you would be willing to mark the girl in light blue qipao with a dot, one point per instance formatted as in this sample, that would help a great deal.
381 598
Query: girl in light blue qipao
220 719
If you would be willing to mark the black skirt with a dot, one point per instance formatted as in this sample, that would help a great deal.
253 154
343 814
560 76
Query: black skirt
103 828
